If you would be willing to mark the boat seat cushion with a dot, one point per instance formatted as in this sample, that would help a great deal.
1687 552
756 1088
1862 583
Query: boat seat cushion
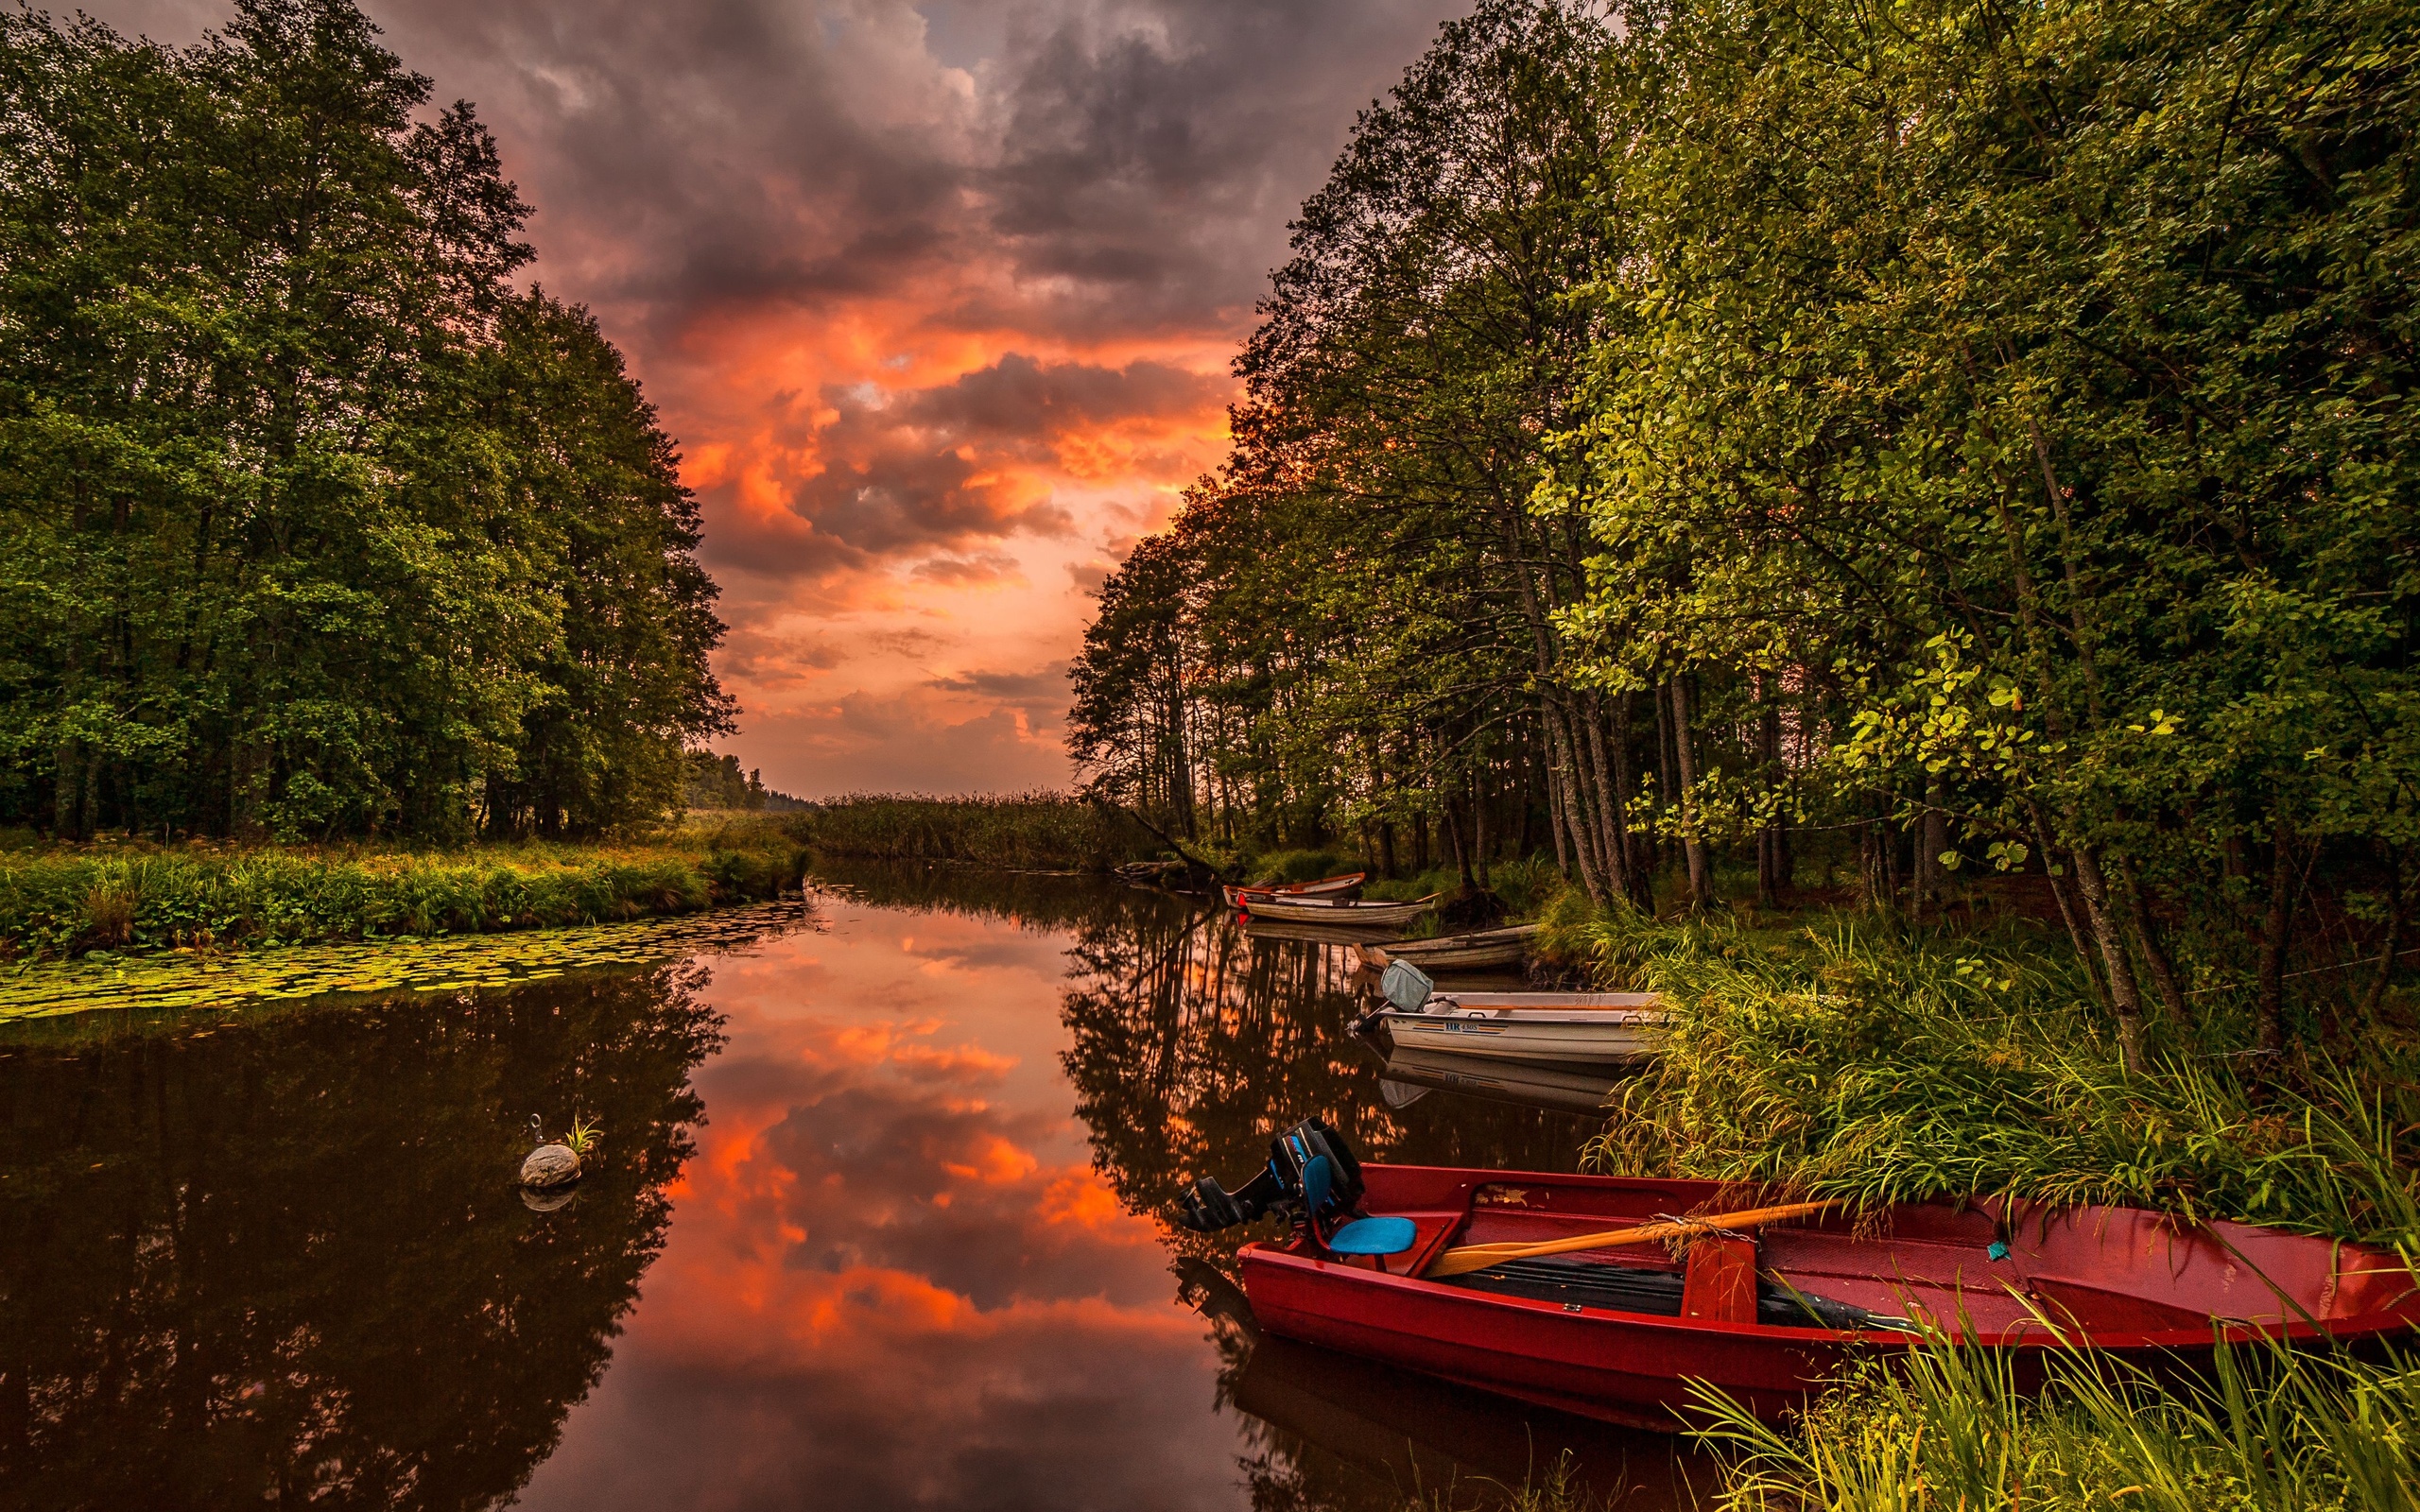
1374 1236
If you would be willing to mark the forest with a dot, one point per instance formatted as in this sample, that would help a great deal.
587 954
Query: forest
1975 440
313 522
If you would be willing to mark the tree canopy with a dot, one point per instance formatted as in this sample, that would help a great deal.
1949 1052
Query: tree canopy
311 521
1984 431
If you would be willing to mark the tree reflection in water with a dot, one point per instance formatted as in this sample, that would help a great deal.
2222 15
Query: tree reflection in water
1195 1041
285 1261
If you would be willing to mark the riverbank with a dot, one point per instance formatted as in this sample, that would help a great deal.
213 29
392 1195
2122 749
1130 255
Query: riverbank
130 897
1849 1055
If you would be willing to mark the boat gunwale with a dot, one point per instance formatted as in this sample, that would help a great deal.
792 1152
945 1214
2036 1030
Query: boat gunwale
2034 1334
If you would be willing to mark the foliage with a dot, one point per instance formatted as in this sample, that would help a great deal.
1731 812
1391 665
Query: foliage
717 783
585 1136
311 522
62 902
1981 433
2270 1430
1043 830
1851 1062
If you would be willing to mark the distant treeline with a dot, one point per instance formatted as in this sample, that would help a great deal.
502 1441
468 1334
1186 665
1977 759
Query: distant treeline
311 522
1052 831
717 783
1982 435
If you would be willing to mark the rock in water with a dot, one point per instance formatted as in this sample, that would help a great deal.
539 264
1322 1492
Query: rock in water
550 1165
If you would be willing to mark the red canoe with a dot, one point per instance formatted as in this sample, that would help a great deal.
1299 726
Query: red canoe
1617 1335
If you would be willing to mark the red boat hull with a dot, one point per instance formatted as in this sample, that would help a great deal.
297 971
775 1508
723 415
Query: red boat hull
2138 1284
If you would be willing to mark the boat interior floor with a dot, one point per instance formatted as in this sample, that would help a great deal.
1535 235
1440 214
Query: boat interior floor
1656 1293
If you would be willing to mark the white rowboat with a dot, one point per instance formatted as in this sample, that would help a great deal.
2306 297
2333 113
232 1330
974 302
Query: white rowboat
1334 910
1593 1029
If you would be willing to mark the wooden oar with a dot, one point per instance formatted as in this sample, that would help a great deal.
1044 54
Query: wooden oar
1468 1257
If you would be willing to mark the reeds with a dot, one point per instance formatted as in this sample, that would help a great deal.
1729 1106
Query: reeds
1852 1061
1040 832
2265 1428
67 902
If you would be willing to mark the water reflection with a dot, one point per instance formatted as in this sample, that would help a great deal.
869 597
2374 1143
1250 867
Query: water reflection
879 1225
282 1263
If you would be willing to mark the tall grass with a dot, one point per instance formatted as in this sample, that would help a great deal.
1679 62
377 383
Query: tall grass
1048 831
1852 1061
62 902
2266 1429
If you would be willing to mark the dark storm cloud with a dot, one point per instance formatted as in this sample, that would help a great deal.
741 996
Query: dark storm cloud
1152 153
898 474
1045 690
1020 398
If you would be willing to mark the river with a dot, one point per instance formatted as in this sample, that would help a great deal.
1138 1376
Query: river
873 1227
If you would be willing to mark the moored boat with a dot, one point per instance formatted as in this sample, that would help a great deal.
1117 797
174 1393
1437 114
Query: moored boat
1577 1029
1335 910
1338 887
1769 1317
1473 952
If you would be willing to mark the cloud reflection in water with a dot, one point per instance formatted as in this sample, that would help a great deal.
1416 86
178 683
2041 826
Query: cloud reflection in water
893 1278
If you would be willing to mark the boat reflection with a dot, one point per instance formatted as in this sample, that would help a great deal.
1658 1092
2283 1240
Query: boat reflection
1341 1433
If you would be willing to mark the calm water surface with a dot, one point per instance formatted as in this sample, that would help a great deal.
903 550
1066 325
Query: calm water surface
876 1227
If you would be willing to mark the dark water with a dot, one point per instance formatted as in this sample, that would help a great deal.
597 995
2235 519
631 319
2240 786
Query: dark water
874 1226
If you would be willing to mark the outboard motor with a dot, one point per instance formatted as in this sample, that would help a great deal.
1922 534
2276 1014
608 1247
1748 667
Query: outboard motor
1312 1178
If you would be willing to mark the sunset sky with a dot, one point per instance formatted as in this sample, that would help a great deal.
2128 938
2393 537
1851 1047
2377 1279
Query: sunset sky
937 298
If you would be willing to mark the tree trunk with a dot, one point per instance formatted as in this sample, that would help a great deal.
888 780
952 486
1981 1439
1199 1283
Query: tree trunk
1610 819
1590 879
1769 759
2125 998
2061 893
1933 838
2145 930
1701 872
2269 1011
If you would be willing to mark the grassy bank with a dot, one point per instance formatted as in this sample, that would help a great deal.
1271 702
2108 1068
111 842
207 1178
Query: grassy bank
1042 831
116 899
1845 1057
2270 1430
1852 1056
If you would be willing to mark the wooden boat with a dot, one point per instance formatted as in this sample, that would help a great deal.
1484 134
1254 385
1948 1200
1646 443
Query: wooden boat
1456 952
1344 934
1575 1029
1619 1335
1325 887
1565 1089
1335 910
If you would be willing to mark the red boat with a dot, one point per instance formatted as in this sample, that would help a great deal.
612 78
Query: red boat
1617 1335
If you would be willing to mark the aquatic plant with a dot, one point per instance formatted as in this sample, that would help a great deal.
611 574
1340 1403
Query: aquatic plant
2266 1429
188 978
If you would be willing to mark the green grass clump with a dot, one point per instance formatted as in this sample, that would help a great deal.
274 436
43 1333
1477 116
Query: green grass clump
65 902
2269 1429
1044 831
1858 1061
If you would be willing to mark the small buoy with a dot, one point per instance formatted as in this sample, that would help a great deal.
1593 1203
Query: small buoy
549 1166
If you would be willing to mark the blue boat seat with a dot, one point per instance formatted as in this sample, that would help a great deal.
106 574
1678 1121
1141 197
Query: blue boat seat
1374 1236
